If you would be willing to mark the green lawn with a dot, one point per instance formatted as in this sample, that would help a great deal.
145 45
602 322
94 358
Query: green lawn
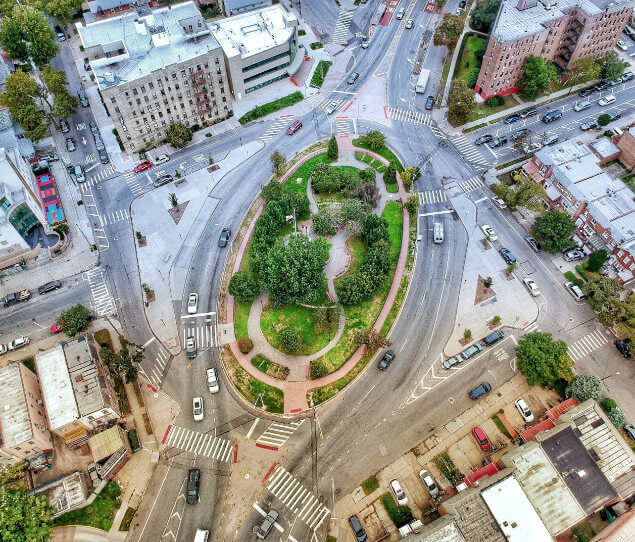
444 76
254 390
629 180
482 110
273 321
29 364
99 514
265 109
468 60
241 315
304 172
320 73
384 152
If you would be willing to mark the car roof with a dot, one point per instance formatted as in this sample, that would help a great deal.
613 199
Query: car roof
477 430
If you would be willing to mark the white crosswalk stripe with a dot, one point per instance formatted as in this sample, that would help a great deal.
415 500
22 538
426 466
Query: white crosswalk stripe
158 368
115 216
297 498
275 128
408 115
469 150
201 444
587 344
132 180
278 433
343 126
340 32
473 183
205 335
429 197
531 328
103 303
337 104
101 175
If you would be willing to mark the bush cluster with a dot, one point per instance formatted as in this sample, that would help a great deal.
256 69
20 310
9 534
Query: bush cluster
328 179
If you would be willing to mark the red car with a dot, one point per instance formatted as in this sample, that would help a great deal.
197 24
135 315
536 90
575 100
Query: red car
482 439
142 166
55 328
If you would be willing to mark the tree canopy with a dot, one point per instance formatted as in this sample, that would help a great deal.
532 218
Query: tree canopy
483 15
584 69
461 103
75 320
25 33
543 360
538 74
244 286
178 135
24 517
20 99
553 231
525 193
448 32
375 139
612 67
585 387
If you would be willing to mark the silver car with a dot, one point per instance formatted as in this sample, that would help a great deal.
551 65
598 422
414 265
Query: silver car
428 481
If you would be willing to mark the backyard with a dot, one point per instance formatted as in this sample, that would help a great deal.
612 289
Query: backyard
99 514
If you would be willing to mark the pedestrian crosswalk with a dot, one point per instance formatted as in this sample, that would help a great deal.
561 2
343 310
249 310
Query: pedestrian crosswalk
532 328
101 175
205 335
275 128
473 183
471 153
409 115
132 180
278 433
340 32
115 216
429 197
103 303
158 368
344 125
587 344
199 443
297 498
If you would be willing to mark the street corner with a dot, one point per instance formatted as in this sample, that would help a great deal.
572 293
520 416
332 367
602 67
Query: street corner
161 412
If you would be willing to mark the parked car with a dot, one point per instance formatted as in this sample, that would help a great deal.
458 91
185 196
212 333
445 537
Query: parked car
212 380
462 4
574 290
78 171
488 231
87 65
192 303
524 410
103 157
99 144
400 494
472 350
499 203
621 45
507 255
430 102
428 481
70 144
573 255
55 327
409 24
519 133
482 439
451 362
531 287
627 76
64 127
49 157
352 78
535 246
498 141
161 159
93 128
386 360
49 287
198 409
552 115
20 342
630 431
93 474
615 116
3 349
551 139
83 100
581 106
607 100
528 113
193 481
483 139
358 530
623 347
365 42
493 337
400 13
511 119
589 125
267 524
224 237
586 92
190 347
294 127
602 85
160 181
483 389
142 166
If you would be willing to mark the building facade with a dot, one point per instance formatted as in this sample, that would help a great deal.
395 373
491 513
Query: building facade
234 7
155 68
558 30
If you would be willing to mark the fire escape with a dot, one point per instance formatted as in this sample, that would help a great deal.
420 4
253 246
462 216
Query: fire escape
200 91
571 39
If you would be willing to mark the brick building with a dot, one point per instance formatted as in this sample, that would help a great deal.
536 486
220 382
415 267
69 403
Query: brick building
626 144
558 30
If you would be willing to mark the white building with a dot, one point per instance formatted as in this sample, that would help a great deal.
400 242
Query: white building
233 7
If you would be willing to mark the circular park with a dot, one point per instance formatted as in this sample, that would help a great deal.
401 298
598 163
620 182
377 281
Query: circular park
318 272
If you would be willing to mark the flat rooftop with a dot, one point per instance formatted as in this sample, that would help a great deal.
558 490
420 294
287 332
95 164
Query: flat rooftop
144 41
15 424
562 152
84 376
64 493
249 33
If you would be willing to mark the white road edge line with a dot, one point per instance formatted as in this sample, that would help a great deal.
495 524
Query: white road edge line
436 213
146 344
251 430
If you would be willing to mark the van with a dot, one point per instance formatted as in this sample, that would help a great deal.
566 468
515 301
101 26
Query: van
295 126
438 233
201 535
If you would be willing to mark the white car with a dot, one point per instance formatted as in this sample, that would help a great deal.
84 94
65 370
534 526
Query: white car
489 232
161 159
622 46
212 381
531 286
524 410
499 203
197 409
18 343
192 303
428 481
330 108
3 349
607 100
400 494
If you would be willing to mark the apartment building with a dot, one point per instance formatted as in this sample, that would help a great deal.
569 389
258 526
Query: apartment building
155 68
558 30
23 422
601 207
260 47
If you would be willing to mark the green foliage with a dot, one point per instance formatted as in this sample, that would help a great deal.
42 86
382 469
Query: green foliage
603 296
245 344
483 15
135 444
374 229
75 320
612 67
448 32
20 100
448 469
585 387
318 369
65 103
62 10
290 340
412 204
400 515
178 135
584 69
272 191
326 221
102 338
333 150
608 404
315 45
244 286
277 162
553 231
617 417
570 276
99 514
596 260
467 334
390 175
604 119
543 360
524 193
495 101
265 109
12 472
538 75
320 73
487 282
327 179
25 33
12 40
354 211
473 77
367 192
370 484
461 103
409 176
24 517
375 140
125 361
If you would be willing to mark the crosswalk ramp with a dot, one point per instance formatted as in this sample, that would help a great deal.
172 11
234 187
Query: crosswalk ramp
409 115
115 216
297 498
428 197
586 345
102 302
473 183
200 444
205 335
132 180
469 151
275 128
340 32
344 126
278 433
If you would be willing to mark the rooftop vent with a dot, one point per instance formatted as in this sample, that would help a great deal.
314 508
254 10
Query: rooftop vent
526 4
548 4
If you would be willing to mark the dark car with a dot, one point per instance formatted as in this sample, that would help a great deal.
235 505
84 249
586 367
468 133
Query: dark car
624 348
49 287
193 481
93 128
430 102
602 86
519 133
480 391
224 237
498 141
70 144
83 100
535 246
630 431
528 113
586 92
87 65
103 157
358 530
389 355
511 119
615 116
164 179
267 524
507 255
551 139
352 78
551 116
493 337
64 126
483 139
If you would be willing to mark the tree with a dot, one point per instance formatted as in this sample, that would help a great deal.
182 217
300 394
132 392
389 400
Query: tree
318 369
543 360
525 193
272 191
244 286
65 103
448 32
441 3
178 135
277 162
326 221
585 387
487 282
174 200
20 99
612 67
553 231
604 119
584 69
412 204
596 260
12 472
367 192
538 74
354 210
63 10
368 175
390 175
603 296
333 150
372 339
374 228
409 176
290 340
617 417
467 334
461 103
36 32
11 40
375 140
75 320
24 517
483 15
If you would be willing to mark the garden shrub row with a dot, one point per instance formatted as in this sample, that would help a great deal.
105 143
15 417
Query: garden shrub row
265 109
400 515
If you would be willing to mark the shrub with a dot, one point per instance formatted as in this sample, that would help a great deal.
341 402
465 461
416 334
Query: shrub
316 45
467 334
318 369
494 101
272 191
617 417
102 338
473 77
244 286
390 175
367 192
332 151
400 515
604 119
290 340
326 222
596 260
585 387
608 404
245 344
